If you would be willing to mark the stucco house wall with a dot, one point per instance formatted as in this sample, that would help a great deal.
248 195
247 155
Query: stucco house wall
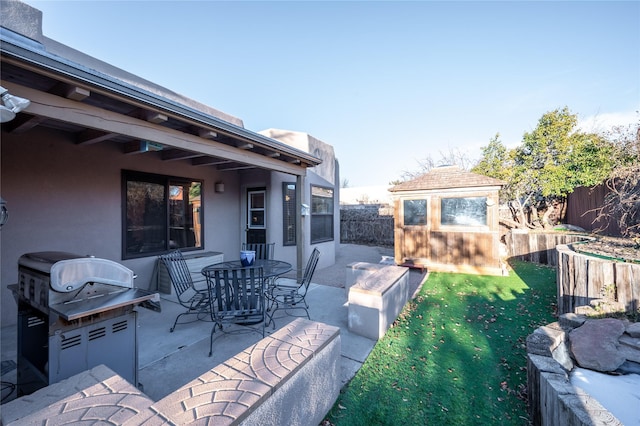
66 196
327 174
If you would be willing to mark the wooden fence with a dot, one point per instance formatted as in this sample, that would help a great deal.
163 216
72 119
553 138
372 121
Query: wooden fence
582 205
538 247
583 278
580 278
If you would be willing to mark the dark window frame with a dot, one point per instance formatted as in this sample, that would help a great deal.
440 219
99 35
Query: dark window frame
322 220
163 219
289 222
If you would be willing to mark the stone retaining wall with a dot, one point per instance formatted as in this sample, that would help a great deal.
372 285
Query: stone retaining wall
552 351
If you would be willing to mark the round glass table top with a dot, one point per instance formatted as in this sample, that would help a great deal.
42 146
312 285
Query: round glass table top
270 268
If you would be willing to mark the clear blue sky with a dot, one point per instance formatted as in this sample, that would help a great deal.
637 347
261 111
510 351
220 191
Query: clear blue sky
386 83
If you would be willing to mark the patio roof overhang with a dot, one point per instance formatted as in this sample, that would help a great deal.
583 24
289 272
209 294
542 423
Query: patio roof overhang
99 108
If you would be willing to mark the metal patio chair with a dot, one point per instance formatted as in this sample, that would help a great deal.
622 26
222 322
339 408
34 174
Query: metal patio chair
263 250
236 297
292 296
195 300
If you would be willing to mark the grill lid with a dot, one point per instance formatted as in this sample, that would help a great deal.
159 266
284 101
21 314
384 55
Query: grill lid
71 274
43 260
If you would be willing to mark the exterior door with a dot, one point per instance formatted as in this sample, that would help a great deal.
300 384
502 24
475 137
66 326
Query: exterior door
256 216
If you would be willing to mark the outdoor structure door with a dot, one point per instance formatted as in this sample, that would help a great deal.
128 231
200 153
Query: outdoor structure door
256 216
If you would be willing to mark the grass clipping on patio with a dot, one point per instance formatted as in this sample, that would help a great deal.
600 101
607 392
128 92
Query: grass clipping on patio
455 355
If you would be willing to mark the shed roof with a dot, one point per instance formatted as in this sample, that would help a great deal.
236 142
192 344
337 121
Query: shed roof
446 177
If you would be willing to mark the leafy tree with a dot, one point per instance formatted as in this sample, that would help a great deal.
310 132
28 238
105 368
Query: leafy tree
550 162
495 160
557 159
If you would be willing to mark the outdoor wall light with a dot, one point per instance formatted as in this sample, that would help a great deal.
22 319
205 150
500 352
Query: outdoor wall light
12 105
304 210
4 213
219 187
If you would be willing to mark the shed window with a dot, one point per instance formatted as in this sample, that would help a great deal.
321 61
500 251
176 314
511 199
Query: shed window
161 213
415 212
321 214
469 211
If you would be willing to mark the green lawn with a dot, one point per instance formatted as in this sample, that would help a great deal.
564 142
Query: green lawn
456 355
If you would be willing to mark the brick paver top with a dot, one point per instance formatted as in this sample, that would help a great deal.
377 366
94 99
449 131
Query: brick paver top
94 396
232 390
380 281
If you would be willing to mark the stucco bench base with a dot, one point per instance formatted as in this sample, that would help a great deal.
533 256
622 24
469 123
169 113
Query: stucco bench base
376 299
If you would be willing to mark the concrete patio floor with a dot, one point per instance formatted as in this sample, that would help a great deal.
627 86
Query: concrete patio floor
167 360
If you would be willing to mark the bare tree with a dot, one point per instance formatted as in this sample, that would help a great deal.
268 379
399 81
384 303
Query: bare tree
622 203
455 157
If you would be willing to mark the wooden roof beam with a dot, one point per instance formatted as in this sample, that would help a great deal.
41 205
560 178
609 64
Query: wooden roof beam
155 117
178 154
91 136
207 134
54 107
243 145
22 123
77 93
234 166
208 161
140 146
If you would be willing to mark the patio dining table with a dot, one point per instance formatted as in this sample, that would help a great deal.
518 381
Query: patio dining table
270 268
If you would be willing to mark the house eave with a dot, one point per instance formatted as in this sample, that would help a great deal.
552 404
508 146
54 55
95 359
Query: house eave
24 51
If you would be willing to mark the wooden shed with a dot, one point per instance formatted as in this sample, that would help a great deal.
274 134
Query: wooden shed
447 220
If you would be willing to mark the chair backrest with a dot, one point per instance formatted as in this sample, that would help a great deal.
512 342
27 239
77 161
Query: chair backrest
310 268
236 292
263 250
179 274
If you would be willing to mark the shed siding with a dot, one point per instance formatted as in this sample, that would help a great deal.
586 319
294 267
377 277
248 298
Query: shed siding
474 249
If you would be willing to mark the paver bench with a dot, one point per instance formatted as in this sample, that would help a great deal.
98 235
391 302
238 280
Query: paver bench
376 298
289 377
357 271
94 395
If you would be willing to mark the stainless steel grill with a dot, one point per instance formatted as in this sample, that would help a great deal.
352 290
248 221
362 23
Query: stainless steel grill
74 313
